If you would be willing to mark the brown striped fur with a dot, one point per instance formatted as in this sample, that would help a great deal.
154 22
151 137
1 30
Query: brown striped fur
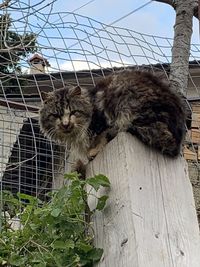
133 101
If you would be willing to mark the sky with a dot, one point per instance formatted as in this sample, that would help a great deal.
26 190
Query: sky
66 44
155 18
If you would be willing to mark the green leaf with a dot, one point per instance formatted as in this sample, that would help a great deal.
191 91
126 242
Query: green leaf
84 247
56 212
2 261
71 176
41 264
101 202
97 181
48 239
59 244
26 197
95 254
41 211
33 226
37 260
93 182
103 180
17 260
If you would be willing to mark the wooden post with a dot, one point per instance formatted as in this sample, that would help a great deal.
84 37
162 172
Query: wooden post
150 218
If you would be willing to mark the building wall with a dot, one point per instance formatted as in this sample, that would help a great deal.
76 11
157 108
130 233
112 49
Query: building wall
192 153
37 68
194 174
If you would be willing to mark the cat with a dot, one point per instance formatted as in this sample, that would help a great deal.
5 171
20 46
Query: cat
131 101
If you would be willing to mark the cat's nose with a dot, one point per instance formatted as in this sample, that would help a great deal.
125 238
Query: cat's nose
66 126
65 121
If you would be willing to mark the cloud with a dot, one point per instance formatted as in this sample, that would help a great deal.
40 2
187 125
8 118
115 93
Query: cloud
82 65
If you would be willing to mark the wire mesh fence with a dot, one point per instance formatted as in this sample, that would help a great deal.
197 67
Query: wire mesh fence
42 50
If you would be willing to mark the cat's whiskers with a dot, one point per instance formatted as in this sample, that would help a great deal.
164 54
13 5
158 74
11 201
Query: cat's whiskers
51 132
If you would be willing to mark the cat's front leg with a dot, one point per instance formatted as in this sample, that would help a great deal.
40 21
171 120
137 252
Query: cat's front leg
97 145
100 142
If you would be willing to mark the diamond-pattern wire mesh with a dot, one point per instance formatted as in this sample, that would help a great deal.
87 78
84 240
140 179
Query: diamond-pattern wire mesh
79 50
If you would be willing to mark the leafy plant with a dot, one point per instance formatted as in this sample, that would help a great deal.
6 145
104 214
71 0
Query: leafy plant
53 234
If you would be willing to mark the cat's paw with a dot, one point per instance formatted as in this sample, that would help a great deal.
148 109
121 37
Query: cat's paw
92 153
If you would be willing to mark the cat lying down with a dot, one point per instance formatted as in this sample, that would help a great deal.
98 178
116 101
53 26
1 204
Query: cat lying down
132 101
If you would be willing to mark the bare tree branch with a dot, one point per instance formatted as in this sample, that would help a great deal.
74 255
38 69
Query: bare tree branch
4 4
169 2
196 12
173 4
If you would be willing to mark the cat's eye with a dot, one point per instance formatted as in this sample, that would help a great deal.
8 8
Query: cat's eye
55 115
75 112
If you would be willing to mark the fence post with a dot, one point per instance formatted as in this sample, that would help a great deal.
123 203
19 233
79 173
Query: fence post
150 218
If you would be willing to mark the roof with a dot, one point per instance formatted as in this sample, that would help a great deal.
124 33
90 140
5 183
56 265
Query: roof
47 82
37 56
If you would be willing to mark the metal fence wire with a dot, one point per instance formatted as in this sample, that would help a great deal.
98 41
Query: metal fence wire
65 48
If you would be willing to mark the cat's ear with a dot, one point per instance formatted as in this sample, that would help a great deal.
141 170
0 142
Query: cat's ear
44 95
75 91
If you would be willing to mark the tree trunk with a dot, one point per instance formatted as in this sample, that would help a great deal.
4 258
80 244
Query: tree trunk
185 9
181 46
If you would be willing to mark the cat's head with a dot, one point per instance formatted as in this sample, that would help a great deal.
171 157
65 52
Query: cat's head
66 114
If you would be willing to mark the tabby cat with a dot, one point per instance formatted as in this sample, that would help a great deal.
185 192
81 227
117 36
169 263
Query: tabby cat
132 101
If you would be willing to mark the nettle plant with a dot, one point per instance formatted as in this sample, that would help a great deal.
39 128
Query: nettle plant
53 234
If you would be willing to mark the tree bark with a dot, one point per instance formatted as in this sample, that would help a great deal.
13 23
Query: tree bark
179 67
181 46
172 3
4 4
